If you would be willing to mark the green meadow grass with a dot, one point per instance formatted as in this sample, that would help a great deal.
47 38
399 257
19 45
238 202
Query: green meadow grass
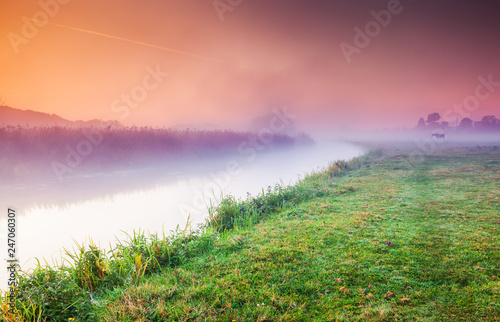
378 238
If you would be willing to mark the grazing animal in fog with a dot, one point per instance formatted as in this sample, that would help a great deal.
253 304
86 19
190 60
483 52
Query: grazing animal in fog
438 136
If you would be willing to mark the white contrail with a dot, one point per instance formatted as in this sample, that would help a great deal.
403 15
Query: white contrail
144 44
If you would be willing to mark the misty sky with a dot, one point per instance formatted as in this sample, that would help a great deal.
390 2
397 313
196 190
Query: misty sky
168 62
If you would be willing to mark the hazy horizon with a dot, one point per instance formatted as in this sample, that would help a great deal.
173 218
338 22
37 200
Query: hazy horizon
363 65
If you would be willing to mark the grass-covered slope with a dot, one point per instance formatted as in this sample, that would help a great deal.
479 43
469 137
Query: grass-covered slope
387 242
376 239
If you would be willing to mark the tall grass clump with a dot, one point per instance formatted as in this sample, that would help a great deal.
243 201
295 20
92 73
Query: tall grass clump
49 294
89 265
231 212
66 292
339 167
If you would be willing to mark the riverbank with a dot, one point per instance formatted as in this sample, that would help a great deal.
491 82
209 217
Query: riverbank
376 238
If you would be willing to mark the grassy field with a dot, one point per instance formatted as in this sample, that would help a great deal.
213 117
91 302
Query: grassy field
374 239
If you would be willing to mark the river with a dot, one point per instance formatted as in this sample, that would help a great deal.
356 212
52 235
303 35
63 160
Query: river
104 207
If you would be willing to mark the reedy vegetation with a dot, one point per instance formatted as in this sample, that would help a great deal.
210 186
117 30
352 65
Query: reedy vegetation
34 149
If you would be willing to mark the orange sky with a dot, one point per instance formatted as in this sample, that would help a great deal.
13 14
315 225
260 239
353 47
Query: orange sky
263 54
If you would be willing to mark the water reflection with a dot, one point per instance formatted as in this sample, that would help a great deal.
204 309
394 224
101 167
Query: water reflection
53 215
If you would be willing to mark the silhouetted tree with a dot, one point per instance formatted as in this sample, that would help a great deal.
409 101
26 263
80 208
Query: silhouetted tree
465 123
433 118
489 121
421 124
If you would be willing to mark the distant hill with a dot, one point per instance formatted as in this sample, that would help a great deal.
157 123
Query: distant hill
29 118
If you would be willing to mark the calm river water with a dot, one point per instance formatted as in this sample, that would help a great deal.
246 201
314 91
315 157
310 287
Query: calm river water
53 215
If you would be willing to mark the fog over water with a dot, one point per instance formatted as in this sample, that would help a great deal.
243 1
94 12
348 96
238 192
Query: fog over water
53 215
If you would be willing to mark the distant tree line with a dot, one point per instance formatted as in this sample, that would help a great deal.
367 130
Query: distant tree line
486 124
